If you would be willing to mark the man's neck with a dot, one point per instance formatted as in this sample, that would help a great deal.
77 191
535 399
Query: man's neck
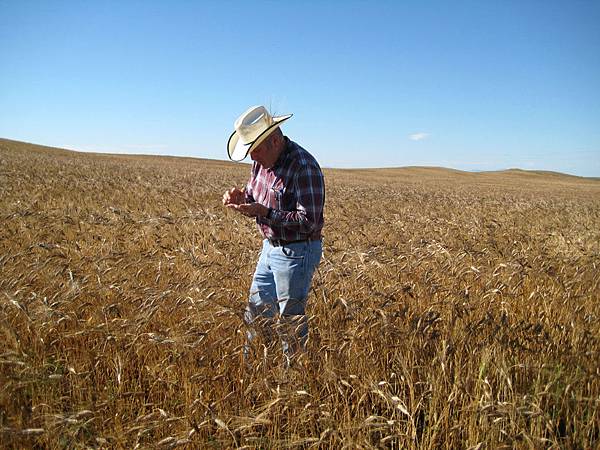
281 150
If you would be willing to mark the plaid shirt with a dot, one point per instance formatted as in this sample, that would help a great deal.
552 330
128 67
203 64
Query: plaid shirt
294 190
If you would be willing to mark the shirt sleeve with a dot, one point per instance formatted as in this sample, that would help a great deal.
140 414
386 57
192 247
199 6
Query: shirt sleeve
309 188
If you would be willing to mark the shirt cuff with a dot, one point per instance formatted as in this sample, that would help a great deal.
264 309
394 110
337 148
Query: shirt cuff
272 215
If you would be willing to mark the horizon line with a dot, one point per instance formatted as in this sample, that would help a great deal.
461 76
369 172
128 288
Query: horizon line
425 166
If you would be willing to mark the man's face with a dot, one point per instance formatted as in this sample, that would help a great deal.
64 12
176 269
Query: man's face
266 153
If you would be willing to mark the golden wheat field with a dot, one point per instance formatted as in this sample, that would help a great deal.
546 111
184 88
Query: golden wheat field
451 310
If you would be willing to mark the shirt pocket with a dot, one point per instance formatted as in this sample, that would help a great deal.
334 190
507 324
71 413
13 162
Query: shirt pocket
277 194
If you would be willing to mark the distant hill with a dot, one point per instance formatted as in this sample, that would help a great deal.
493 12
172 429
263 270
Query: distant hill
543 173
409 172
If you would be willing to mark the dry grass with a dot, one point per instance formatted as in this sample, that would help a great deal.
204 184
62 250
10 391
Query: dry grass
451 310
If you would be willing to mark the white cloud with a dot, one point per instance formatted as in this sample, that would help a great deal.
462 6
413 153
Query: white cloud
418 136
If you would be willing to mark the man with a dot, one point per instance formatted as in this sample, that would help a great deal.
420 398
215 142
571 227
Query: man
285 195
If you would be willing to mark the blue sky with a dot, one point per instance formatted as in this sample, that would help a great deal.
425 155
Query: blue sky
472 85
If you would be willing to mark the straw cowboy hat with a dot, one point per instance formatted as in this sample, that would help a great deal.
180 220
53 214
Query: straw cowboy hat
251 128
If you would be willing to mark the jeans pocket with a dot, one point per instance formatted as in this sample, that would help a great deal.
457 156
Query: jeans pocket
292 253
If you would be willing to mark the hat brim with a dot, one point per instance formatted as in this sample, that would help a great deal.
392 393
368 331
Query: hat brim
238 151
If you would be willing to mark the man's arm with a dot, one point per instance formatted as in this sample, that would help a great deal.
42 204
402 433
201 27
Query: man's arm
310 198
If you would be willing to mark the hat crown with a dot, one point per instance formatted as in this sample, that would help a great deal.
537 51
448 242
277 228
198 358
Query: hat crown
251 129
251 124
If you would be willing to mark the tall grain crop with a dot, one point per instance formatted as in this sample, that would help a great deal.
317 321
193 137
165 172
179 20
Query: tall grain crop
450 310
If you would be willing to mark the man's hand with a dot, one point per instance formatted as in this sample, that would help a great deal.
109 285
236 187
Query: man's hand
249 209
234 196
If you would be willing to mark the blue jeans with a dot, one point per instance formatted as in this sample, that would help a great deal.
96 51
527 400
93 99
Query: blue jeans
279 292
